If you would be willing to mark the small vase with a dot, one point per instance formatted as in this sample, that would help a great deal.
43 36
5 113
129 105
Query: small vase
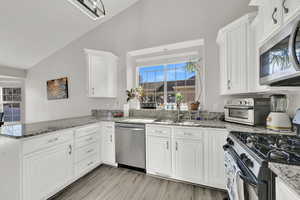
134 104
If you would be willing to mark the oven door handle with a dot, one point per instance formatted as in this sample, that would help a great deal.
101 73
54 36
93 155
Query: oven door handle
248 180
292 47
239 107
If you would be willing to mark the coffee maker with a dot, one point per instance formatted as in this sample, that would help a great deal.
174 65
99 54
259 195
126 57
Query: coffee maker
278 119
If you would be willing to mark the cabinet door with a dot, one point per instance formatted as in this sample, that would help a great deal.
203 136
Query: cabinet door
236 53
108 145
189 160
47 171
224 76
102 74
158 155
214 157
290 9
272 11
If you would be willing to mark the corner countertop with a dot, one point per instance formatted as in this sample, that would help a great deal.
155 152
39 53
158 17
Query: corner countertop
19 131
289 174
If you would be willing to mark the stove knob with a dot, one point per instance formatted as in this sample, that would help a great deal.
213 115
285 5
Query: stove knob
248 163
229 141
243 156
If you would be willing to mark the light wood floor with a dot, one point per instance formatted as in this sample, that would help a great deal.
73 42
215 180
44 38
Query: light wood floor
107 183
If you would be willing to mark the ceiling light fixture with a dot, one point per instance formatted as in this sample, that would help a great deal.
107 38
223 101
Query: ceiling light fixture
93 8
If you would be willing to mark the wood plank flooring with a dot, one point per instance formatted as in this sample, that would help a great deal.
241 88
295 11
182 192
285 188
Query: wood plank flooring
108 183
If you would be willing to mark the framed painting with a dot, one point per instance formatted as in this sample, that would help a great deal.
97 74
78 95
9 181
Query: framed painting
57 89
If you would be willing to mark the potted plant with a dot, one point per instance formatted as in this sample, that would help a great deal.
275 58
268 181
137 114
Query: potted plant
195 66
179 99
134 97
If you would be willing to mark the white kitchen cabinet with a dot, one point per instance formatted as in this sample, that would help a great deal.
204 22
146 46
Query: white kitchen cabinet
235 55
290 8
189 165
158 150
272 16
102 74
214 139
47 171
108 143
283 192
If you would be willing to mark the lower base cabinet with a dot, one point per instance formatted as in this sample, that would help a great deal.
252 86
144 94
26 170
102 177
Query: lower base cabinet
108 149
188 160
195 155
158 151
47 171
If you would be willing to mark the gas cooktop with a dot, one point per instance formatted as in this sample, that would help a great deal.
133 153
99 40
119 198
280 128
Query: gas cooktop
273 148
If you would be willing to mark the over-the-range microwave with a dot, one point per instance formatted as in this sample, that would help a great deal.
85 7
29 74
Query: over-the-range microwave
280 57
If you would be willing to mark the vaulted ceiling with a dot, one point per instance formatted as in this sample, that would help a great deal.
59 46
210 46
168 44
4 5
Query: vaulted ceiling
31 30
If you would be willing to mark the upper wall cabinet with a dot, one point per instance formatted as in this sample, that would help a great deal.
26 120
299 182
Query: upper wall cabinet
236 47
274 14
102 74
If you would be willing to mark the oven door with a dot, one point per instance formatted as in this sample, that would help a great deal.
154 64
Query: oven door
239 114
241 184
279 58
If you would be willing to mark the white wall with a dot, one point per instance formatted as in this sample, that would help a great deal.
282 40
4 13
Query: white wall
148 23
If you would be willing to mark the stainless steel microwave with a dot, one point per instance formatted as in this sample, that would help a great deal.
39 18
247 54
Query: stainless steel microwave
280 57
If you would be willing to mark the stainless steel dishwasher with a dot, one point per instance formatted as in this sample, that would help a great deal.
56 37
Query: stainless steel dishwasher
131 145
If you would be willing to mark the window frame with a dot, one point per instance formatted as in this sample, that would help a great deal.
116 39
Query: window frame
197 78
2 102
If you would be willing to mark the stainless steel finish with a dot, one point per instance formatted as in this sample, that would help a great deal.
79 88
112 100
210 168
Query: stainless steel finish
131 145
292 47
288 31
249 111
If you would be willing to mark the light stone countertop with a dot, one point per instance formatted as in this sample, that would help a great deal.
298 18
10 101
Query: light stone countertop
289 174
34 129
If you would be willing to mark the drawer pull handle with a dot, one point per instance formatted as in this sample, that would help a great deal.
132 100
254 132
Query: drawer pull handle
275 21
111 138
70 149
89 139
176 146
90 163
53 140
286 10
89 151
167 145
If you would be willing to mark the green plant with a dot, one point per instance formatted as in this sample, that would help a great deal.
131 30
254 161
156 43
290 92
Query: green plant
179 98
195 66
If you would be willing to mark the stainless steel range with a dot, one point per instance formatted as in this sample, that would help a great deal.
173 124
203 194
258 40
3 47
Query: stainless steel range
246 161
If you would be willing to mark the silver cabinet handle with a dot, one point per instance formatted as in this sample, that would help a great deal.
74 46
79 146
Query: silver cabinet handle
111 138
90 163
53 140
228 84
285 9
176 146
89 151
275 21
188 134
93 90
89 139
70 149
167 143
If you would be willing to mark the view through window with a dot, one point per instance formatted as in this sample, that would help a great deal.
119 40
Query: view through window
11 102
162 82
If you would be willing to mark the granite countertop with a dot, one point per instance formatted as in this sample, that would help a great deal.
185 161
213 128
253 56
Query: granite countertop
34 129
289 174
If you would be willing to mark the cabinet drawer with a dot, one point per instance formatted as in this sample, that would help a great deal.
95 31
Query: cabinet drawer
159 131
86 152
43 142
85 165
190 133
88 130
83 141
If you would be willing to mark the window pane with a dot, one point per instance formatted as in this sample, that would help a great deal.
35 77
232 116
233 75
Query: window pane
7 108
179 79
152 81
